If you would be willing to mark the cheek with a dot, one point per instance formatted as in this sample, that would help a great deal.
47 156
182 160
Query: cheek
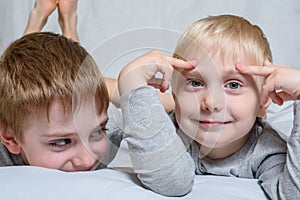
244 111
185 112
45 159
186 104
104 145
245 106
100 148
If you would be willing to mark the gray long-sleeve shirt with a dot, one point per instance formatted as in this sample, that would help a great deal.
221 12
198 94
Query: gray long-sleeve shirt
158 156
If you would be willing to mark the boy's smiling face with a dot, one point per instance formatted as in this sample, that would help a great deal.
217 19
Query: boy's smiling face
215 105
65 141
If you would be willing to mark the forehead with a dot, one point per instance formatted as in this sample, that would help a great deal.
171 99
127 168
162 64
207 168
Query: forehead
215 64
218 51
58 123
59 114
85 110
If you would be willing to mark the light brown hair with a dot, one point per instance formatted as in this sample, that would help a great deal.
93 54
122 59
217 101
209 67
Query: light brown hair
40 67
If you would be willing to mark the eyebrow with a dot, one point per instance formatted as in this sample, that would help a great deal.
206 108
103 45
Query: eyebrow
232 72
65 134
58 135
194 72
101 124
197 72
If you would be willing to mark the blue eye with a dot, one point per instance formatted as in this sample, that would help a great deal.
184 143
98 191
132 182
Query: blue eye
233 85
60 144
98 134
195 83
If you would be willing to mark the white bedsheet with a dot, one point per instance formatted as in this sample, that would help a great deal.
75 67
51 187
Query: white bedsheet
30 183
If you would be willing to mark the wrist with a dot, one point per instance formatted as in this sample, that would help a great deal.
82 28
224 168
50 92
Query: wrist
129 80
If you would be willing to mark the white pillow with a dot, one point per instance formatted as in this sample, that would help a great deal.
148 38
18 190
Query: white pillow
30 183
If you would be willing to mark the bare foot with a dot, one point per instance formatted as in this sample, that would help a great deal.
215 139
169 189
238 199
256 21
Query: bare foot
39 15
68 18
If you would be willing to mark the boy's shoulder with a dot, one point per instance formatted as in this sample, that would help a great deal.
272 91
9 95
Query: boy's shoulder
266 139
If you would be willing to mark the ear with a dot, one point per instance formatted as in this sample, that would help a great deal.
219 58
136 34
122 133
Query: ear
262 109
8 139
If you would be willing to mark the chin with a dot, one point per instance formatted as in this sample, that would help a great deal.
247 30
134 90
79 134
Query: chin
213 142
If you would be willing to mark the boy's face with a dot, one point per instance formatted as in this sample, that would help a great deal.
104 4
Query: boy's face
215 105
66 142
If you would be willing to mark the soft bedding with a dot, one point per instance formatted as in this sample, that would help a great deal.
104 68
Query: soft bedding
30 183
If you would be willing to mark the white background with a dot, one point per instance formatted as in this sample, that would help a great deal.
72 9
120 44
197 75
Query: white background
103 25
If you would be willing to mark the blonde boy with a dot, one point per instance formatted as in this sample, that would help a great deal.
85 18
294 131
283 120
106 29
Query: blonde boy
218 107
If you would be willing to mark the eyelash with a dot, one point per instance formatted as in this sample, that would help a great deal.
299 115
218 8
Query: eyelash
233 82
62 144
58 146
199 83
100 132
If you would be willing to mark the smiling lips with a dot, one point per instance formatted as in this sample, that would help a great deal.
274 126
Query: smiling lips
212 124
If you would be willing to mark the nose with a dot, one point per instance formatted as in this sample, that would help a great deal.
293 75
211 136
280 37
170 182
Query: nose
213 100
84 159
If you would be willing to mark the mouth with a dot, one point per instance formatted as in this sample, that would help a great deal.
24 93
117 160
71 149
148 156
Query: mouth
213 124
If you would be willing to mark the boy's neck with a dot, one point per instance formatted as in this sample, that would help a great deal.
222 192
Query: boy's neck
223 152
24 158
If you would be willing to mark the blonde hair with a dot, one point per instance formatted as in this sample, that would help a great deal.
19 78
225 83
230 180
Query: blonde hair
218 34
41 67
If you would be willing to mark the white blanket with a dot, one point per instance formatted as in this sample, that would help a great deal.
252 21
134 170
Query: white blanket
30 183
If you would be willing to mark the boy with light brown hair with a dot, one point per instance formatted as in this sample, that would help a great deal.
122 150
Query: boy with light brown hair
53 105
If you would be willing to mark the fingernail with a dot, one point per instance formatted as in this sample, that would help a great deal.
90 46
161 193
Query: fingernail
239 66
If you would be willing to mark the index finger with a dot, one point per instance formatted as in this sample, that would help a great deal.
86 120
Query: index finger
255 70
181 64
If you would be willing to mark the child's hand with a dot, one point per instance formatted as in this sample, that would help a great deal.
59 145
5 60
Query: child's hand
282 83
142 71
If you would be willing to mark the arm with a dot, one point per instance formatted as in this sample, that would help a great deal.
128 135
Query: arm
158 155
280 174
282 83
113 91
112 85
291 178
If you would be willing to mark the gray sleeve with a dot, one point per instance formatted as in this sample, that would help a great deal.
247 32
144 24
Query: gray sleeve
282 181
290 179
157 153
